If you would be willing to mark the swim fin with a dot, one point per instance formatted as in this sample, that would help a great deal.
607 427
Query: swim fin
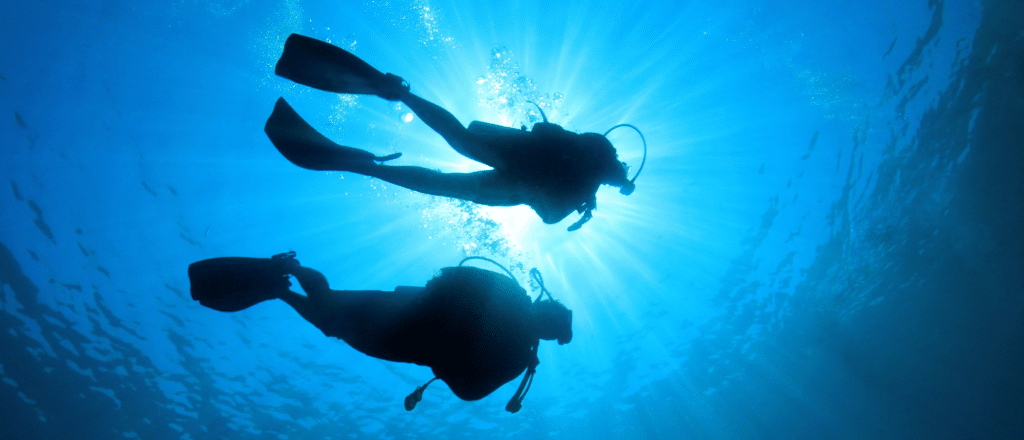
230 284
321 65
302 145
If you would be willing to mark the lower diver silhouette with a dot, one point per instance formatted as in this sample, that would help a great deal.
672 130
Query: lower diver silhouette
476 329
552 170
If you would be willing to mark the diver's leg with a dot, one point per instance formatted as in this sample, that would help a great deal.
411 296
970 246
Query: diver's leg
444 123
304 306
364 319
315 285
312 281
483 187
335 312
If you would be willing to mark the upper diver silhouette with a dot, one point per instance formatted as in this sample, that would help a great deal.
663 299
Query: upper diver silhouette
476 329
552 170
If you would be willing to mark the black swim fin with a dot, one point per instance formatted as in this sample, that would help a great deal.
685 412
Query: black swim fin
230 284
321 65
302 145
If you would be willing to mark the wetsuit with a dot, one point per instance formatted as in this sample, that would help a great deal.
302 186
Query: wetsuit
559 171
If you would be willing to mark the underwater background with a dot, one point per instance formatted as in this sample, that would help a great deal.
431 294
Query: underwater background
825 242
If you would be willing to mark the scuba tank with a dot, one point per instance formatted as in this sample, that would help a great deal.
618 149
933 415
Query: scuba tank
471 274
489 129
544 128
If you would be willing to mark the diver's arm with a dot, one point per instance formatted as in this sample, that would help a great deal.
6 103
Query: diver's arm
588 205
587 210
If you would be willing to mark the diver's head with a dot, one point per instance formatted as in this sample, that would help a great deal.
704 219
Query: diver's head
627 187
611 171
622 180
552 321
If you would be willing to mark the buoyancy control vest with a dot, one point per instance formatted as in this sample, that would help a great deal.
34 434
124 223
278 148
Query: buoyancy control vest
478 323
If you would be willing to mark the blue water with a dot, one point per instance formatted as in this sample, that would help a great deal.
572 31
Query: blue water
824 243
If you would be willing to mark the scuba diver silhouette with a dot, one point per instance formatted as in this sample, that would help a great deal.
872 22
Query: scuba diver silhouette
474 328
552 170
